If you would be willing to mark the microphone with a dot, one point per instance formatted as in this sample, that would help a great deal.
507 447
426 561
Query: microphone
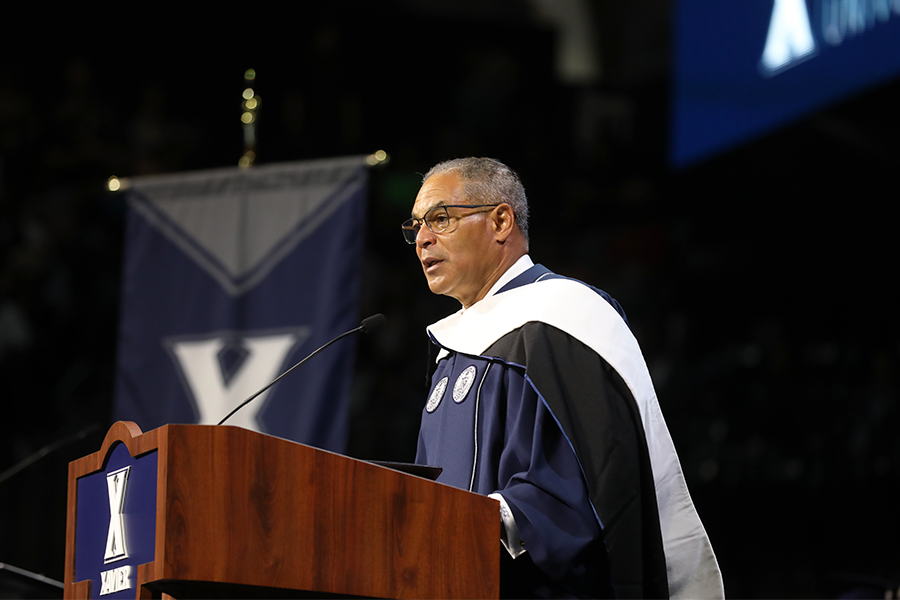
368 325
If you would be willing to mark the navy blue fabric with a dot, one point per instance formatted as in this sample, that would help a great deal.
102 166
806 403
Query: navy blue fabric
170 296
585 505
502 437
600 418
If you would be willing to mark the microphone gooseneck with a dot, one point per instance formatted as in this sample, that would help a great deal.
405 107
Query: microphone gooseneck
368 325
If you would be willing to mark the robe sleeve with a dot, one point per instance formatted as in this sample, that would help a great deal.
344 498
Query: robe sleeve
542 482
588 401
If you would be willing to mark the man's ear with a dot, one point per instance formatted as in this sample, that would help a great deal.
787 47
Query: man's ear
504 221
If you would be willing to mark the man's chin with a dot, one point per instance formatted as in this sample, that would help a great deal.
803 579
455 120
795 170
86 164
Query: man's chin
434 284
439 286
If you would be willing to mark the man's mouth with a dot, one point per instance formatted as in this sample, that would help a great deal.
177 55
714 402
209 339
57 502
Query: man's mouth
430 263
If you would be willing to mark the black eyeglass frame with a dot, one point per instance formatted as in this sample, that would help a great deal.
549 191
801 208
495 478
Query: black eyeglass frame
411 227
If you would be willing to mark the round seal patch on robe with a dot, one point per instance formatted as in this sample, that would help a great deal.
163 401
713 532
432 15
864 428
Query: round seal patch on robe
436 394
463 384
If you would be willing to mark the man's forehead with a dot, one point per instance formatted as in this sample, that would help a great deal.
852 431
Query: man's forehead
436 191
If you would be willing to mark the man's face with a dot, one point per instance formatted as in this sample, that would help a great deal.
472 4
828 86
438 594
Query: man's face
459 264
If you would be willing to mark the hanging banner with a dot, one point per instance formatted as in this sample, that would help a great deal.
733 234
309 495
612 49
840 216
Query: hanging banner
230 277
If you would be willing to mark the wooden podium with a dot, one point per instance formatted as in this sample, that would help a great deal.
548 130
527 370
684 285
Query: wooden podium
200 511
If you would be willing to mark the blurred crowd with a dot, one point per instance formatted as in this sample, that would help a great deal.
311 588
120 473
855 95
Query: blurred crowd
763 314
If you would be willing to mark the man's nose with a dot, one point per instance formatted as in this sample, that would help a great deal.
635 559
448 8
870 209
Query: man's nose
424 237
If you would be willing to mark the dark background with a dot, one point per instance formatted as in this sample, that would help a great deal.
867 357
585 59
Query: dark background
757 282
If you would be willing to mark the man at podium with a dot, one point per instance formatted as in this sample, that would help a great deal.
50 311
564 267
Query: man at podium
541 399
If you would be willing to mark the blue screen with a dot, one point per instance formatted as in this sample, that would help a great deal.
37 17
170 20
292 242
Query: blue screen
742 68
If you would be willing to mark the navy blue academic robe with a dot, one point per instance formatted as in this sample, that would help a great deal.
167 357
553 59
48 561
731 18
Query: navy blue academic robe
541 395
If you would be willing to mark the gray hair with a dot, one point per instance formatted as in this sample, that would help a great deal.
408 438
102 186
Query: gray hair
488 180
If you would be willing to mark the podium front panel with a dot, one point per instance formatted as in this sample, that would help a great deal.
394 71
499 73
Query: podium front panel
116 523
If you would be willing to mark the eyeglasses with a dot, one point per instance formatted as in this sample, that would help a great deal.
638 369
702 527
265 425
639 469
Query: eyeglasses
437 220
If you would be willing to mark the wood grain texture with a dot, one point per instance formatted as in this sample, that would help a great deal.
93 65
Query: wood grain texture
245 509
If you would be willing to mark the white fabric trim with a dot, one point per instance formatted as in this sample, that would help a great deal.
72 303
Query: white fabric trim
520 266
580 312
511 539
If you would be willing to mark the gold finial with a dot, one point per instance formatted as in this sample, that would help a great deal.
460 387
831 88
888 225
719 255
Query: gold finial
379 158
117 184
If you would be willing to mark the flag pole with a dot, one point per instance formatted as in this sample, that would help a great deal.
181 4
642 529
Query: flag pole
250 105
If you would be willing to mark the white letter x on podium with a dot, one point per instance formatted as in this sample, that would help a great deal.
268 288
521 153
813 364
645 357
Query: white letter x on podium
115 539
